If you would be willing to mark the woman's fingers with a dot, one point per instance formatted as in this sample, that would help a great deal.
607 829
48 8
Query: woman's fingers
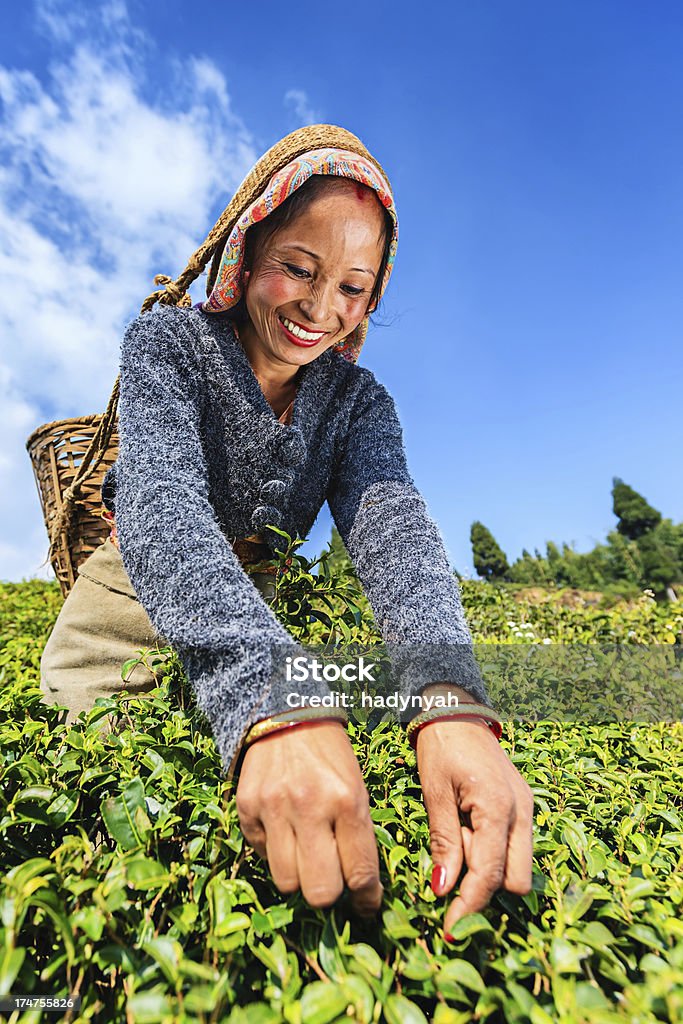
359 859
486 860
518 873
320 859
302 803
464 769
445 840
318 863
281 853
320 854
482 846
252 829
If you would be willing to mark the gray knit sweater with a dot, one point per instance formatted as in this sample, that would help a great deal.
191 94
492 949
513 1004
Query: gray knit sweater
203 459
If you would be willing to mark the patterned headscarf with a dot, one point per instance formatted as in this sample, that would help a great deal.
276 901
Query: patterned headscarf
227 290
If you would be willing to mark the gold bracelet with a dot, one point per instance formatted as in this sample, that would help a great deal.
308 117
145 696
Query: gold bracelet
464 710
282 720
285 719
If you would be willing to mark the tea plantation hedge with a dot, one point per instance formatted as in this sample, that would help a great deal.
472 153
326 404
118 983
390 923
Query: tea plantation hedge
126 880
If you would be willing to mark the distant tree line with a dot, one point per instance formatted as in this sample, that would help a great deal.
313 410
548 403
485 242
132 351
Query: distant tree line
644 551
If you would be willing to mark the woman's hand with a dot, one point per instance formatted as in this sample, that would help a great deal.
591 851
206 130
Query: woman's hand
303 806
463 768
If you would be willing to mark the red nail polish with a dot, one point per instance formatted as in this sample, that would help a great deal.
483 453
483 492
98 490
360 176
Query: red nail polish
438 878
448 937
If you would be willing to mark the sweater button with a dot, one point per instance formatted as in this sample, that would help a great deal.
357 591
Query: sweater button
266 514
290 446
109 488
272 490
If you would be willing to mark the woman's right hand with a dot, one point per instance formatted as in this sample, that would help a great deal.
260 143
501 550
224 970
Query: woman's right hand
303 806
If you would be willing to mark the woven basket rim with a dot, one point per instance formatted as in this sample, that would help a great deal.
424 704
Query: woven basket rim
53 424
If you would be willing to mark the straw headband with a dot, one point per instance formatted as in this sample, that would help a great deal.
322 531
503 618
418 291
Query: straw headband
342 163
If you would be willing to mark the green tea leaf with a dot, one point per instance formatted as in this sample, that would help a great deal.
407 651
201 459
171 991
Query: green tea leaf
125 816
10 965
398 926
235 922
167 953
367 957
322 1002
399 1010
469 925
462 972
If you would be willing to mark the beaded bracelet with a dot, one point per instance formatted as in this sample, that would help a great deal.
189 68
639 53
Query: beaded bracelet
470 711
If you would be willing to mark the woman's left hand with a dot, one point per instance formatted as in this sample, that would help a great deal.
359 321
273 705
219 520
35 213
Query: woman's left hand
464 769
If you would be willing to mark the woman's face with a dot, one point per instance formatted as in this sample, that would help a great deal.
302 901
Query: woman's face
310 284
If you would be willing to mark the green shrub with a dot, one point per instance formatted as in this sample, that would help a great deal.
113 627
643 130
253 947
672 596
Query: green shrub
126 879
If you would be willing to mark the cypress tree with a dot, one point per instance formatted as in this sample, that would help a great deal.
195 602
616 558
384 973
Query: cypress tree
488 558
635 516
662 567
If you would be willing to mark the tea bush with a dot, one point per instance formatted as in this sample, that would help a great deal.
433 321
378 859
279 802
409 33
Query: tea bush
126 880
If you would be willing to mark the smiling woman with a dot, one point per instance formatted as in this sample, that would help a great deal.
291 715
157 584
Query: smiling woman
247 412
318 261
319 186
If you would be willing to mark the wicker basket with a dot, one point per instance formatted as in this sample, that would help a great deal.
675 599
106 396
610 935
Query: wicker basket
56 450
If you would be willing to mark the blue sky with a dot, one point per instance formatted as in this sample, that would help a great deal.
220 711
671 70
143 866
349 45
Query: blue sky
532 326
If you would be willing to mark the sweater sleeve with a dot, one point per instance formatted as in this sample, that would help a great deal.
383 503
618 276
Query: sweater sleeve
399 553
181 565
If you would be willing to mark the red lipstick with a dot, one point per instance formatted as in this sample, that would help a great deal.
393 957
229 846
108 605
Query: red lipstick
299 341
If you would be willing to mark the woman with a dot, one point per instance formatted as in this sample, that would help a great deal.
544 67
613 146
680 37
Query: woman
250 411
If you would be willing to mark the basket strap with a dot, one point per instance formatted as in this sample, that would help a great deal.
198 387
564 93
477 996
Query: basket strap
91 460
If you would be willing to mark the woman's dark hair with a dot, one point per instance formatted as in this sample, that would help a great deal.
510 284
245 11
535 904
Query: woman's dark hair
258 235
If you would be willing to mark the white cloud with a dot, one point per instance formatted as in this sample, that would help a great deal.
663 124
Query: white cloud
298 102
108 21
115 166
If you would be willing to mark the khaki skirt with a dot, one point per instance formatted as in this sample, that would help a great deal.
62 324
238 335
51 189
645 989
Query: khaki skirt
102 625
